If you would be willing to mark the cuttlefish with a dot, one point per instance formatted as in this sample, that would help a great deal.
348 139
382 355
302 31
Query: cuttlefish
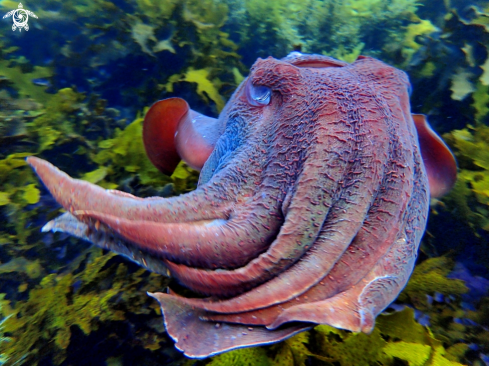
312 200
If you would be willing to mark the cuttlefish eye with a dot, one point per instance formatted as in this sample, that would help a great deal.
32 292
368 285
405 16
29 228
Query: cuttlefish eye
258 95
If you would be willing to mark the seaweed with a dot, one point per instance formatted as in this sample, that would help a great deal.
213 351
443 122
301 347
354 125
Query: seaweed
429 277
100 292
243 357
396 336
337 29
206 88
57 122
144 33
125 154
449 68
22 80
414 31
471 194
18 189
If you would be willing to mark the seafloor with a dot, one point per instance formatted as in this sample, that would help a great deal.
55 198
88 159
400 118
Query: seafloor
73 89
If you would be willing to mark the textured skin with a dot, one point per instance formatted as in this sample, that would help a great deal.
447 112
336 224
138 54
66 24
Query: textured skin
309 209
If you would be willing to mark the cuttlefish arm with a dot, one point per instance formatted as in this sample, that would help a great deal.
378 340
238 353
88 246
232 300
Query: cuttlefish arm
200 339
171 228
105 238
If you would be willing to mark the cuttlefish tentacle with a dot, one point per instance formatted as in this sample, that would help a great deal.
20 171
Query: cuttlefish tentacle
77 195
282 252
363 301
105 238
198 242
379 230
295 237
208 244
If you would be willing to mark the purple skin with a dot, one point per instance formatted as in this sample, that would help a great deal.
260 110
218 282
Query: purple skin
312 200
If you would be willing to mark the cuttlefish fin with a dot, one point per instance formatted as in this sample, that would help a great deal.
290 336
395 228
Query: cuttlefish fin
172 131
439 161
199 338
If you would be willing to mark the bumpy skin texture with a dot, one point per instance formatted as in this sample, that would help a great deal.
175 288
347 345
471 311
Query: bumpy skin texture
310 209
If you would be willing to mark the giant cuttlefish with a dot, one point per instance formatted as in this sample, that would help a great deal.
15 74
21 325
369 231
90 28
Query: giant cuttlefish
312 200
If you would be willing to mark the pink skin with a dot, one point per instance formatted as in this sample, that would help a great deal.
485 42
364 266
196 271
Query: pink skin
311 204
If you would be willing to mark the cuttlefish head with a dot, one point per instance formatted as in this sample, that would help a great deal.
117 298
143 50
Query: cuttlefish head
311 203
250 159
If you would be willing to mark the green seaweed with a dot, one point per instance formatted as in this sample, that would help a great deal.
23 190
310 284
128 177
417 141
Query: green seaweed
396 336
429 277
143 34
206 88
157 9
57 123
32 269
125 154
42 324
278 26
481 101
413 31
345 348
22 81
201 78
471 194
206 14
18 189
242 357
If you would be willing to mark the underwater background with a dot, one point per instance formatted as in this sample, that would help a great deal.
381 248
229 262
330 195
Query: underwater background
74 89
